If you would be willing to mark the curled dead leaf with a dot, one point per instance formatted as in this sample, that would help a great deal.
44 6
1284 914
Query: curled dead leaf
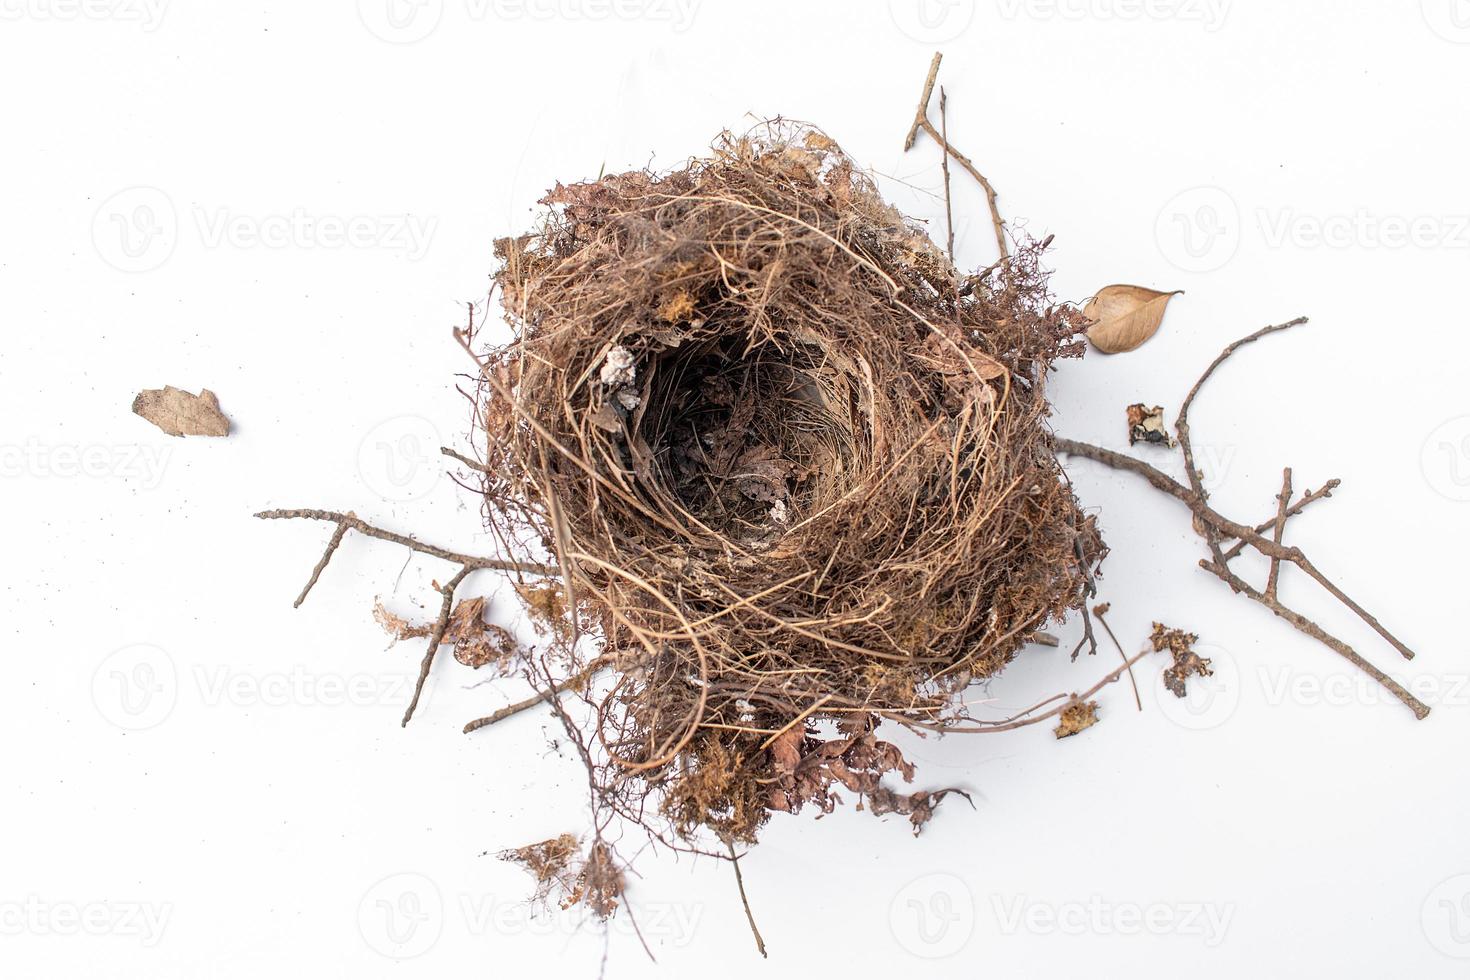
1123 317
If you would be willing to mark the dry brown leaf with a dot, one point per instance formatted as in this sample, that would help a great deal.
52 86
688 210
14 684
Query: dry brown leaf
179 413
476 642
786 749
1076 717
1123 317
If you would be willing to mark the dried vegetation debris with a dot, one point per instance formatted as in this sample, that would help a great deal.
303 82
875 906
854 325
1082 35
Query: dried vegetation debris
476 641
568 875
1187 663
180 413
1076 717
788 454
1146 425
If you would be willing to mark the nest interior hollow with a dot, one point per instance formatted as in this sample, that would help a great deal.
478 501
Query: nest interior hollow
794 465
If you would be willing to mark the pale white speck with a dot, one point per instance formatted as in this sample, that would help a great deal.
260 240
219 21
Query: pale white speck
618 368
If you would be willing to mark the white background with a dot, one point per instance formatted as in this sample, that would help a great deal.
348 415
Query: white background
200 781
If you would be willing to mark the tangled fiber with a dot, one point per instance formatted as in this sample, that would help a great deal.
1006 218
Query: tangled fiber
793 465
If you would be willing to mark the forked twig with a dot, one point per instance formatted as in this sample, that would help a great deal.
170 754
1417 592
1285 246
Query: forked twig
1214 527
467 564
922 112
1295 509
350 521
1181 427
921 121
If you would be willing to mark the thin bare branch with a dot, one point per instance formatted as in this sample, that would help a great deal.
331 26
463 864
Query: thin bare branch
760 943
1305 625
1100 611
316 572
944 166
1283 504
351 521
440 625
1296 508
921 114
572 683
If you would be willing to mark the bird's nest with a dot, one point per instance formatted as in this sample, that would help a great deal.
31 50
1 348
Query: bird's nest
794 467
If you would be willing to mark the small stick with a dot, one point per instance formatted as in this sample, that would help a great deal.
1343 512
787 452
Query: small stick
1212 518
1108 678
355 523
760 943
921 114
1181 426
991 197
921 121
944 166
316 572
1098 611
472 464
1283 501
447 590
1266 546
1296 509
1212 537
1302 623
571 683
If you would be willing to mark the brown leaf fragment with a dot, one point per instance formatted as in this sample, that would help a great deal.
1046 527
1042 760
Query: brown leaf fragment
1186 663
1147 425
1076 717
179 413
786 749
606 418
919 807
1123 317
476 642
